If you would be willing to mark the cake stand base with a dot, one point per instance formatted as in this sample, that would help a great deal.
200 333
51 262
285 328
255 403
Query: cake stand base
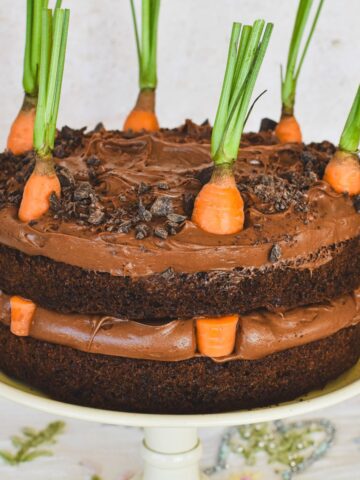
171 454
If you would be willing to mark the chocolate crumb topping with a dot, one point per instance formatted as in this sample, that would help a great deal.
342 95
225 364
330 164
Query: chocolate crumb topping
356 201
67 141
162 207
275 253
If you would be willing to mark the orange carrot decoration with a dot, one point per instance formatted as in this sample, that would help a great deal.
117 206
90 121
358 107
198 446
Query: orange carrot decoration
216 336
288 129
43 181
22 313
38 189
219 208
20 139
21 136
143 116
343 170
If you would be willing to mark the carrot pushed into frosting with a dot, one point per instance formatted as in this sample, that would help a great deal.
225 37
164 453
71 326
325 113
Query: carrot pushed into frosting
21 136
288 129
43 181
219 208
22 313
343 170
216 336
143 116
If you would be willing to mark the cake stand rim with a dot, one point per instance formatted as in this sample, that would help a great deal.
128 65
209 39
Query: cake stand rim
345 387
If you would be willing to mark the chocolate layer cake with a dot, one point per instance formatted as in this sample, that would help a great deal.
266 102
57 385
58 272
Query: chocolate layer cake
120 275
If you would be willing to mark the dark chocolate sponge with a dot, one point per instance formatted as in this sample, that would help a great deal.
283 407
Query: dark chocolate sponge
66 288
193 386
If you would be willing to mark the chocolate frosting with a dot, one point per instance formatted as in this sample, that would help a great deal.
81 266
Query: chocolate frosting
126 163
260 333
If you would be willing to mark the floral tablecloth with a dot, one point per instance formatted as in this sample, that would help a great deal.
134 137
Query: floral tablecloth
321 446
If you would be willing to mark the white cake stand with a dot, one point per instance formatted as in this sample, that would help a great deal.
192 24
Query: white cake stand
171 449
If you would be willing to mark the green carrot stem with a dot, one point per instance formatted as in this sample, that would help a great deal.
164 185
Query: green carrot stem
147 45
53 50
32 57
223 107
294 66
32 53
350 137
243 65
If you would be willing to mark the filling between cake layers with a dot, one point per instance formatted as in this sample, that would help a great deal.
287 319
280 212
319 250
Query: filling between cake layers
259 333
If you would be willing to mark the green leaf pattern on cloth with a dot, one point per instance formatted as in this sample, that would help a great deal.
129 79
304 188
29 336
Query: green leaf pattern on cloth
28 447
268 451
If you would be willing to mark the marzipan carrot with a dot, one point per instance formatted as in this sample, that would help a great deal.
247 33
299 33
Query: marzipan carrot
343 170
288 129
216 336
43 181
219 208
20 139
22 314
143 116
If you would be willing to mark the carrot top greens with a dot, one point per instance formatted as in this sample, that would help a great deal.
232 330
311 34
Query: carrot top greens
54 33
350 137
147 44
248 45
295 59
34 10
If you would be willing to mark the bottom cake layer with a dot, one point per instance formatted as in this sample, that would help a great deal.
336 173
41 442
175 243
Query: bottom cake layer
191 386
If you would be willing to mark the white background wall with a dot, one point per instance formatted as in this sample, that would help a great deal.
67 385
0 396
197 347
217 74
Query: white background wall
101 72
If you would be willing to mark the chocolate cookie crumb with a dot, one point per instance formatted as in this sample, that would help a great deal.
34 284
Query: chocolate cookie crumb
275 253
176 218
267 124
162 207
356 201
141 231
143 188
93 161
161 233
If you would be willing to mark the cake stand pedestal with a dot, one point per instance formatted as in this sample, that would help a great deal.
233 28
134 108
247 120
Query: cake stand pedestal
171 454
171 449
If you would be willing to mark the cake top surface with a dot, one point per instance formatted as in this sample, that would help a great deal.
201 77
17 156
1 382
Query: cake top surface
127 201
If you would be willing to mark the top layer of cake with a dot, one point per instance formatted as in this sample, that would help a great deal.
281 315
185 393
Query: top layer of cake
125 213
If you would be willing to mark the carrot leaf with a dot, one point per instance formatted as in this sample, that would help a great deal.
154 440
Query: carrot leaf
294 64
34 9
350 137
146 44
248 45
53 49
